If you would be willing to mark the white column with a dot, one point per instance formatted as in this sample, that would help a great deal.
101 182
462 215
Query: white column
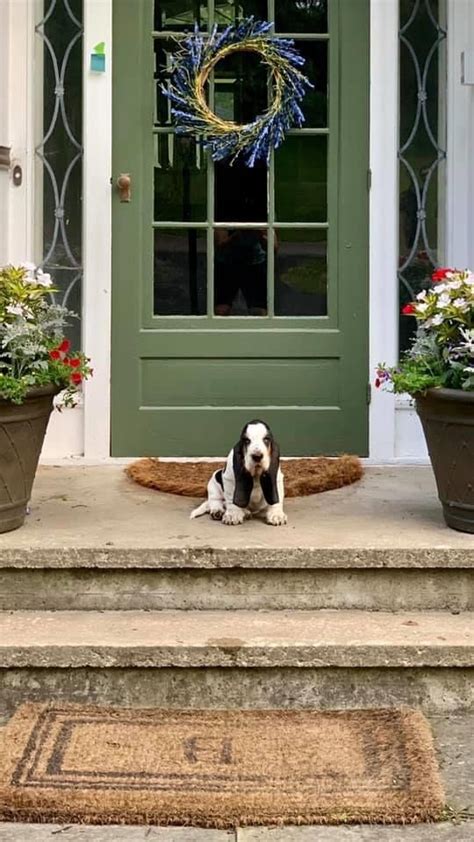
460 139
383 218
4 125
97 231
16 126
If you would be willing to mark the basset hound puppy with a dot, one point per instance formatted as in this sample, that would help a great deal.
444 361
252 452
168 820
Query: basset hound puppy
251 482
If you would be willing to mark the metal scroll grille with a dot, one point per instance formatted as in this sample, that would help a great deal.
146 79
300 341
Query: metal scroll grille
59 151
422 150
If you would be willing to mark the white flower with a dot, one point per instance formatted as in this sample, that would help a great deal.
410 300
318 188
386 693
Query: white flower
461 303
43 278
30 267
440 288
470 278
455 284
15 309
421 295
421 308
437 320
444 300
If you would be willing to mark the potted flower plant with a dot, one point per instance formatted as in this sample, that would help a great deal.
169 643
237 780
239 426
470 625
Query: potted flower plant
438 371
36 363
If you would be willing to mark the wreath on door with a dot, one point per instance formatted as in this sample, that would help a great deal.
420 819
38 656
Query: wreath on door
226 139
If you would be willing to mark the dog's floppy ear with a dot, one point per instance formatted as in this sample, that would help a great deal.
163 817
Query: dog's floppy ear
243 480
268 480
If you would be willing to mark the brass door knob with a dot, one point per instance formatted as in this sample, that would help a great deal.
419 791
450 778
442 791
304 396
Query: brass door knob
124 187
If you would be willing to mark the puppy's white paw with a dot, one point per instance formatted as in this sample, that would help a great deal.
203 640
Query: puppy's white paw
217 514
276 518
234 517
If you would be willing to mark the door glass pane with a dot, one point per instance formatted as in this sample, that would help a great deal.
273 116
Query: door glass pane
179 272
228 11
240 192
240 272
179 15
301 179
300 272
240 87
302 15
315 103
180 179
163 52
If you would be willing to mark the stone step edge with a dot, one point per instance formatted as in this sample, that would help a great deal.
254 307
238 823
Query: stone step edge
209 558
161 639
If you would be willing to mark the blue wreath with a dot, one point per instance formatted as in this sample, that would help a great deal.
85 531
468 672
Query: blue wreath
191 114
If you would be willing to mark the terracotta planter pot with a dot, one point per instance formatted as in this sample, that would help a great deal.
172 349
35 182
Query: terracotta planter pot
447 416
22 431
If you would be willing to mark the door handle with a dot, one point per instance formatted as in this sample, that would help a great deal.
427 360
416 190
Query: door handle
124 187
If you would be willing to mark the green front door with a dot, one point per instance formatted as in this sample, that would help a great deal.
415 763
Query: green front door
241 293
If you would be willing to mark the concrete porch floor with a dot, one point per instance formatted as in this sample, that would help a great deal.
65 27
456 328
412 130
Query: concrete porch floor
97 512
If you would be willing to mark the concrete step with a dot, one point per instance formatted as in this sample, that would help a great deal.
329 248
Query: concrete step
312 581
96 541
239 658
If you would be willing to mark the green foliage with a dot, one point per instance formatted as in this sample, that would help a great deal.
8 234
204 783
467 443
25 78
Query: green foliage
33 350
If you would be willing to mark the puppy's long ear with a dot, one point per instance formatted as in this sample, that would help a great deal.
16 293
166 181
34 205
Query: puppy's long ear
243 480
268 480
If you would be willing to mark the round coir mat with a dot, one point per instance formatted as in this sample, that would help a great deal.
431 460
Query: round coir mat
302 476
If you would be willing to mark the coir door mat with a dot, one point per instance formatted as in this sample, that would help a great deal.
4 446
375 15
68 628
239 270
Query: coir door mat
217 768
302 476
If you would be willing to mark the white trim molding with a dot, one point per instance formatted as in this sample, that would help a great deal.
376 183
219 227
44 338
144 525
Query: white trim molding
97 229
383 218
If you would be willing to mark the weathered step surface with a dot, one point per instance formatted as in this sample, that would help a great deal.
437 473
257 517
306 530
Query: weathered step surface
97 541
250 659
94 516
236 639
241 586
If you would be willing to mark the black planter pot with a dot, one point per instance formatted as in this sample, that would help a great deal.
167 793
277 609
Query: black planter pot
447 416
22 431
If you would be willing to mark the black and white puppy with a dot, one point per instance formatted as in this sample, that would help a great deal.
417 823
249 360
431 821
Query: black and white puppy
251 482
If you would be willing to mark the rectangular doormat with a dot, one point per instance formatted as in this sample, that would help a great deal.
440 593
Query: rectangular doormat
69 763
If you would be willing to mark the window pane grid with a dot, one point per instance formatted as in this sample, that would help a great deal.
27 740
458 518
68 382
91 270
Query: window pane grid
270 225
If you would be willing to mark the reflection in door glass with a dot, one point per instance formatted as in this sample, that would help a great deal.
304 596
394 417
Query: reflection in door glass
163 49
240 192
179 272
300 272
180 179
315 68
240 272
301 179
179 15
302 15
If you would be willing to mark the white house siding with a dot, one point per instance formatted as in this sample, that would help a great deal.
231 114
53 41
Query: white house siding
395 433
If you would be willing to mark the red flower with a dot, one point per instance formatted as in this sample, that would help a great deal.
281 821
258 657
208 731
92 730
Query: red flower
74 363
408 309
54 355
377 383
76 378
64 346
440 274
